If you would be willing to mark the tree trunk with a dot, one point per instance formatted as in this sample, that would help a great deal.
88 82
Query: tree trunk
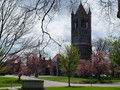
19 78
69 74
36 75
99 78
113 73
69 81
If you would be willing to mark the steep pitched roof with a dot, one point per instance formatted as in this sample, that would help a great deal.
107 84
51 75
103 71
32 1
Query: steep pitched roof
56 57
81 10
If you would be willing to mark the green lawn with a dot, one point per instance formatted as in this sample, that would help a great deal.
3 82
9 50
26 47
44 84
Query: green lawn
81 80
83 88
80 88
8 81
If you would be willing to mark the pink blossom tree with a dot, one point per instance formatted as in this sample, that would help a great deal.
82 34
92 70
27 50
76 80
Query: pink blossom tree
33 63
27 65
84 68
22 72
15 66
99 64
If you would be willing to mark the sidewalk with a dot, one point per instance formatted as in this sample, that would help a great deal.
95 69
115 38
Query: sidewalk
10 88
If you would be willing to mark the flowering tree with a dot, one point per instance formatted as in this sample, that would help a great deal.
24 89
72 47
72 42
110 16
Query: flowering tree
84 68
15 66
99 64
32 63
22 72
28 65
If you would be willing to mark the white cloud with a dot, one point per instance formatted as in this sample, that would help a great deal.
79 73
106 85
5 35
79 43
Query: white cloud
61 27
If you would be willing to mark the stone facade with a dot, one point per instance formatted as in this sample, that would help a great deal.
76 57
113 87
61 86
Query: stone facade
45 66
51 66
55 68
30 84
81 32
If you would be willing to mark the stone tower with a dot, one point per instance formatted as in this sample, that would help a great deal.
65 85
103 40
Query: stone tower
81 32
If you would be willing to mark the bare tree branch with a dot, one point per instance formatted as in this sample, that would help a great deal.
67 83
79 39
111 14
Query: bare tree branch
44 32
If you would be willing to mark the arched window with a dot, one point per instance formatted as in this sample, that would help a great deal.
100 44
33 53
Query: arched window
84 23
76 23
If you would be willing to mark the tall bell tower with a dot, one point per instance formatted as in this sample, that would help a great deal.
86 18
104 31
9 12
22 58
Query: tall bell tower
81 31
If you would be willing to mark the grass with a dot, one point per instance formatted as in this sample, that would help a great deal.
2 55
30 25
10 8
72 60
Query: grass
81 80
80 88
9 81
6 82
83 88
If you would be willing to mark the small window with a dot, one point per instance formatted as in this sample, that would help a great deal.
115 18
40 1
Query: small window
76 24
86 24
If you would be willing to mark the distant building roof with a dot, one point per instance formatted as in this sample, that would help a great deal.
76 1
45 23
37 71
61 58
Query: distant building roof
56 57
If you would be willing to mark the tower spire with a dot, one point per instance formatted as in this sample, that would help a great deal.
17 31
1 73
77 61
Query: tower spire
89 12
81 10
72 14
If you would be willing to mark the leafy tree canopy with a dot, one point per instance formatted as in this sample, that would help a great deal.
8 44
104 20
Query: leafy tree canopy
114 53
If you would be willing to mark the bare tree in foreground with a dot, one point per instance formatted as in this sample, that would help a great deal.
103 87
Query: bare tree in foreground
17 18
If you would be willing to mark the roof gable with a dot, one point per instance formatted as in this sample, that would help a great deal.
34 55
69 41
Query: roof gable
56 57
81 10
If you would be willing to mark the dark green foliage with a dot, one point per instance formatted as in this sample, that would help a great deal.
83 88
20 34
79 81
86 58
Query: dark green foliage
114 52
3 71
